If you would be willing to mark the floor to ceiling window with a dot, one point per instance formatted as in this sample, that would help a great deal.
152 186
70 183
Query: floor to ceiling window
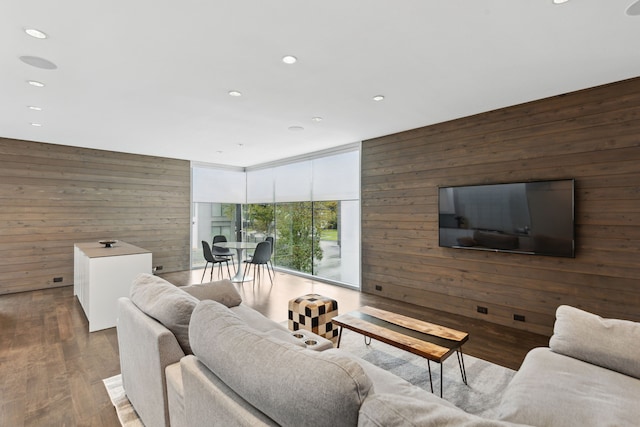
310 208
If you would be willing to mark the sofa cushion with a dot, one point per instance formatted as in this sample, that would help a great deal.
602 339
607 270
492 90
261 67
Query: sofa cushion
166 303
221 291
291 385
610 343
551 389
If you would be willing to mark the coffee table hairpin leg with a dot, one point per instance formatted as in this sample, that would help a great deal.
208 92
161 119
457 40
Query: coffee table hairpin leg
365 340
431 379
463 371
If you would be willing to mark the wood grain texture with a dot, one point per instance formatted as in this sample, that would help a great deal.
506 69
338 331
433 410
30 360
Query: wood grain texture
416 325
51 366
421 346
413 345
53 196
591 135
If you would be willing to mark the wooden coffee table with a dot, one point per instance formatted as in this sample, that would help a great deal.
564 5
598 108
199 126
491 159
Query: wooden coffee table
433 342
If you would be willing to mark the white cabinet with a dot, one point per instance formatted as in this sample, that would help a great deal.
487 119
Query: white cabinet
102 275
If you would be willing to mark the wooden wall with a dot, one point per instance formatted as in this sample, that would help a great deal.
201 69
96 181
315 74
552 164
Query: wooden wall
52 196
591 135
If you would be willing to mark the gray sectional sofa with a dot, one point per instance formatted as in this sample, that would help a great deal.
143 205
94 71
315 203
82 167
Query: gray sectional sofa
588 376
196 356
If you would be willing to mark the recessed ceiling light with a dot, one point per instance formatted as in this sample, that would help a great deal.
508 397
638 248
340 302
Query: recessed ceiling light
317 119
35 83
559 1
36 124
289 59
35 33
235 93
34 107
378 97
296 128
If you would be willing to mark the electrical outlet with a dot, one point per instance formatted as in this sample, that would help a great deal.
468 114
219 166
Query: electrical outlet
158 268
57 279
518 317
483 310
378 288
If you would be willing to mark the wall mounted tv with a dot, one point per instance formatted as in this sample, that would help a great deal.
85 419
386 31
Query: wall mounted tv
526 217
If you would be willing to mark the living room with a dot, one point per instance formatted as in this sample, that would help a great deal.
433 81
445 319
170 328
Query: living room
55 195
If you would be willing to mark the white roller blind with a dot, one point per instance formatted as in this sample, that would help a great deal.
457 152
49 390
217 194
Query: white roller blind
293 182
260 186
212 185
337 177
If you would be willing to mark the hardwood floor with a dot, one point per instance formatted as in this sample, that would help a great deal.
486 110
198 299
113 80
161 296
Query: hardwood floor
51 367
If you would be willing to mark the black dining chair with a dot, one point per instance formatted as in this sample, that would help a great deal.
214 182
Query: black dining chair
222 252
261 256
210 258
271 240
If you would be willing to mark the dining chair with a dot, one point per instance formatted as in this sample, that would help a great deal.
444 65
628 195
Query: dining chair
222 252
261 256
271 240
210 258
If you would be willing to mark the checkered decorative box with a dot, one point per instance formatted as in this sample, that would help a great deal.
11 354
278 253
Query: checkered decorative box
313 313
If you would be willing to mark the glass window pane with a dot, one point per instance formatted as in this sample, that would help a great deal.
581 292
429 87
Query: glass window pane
259 221
210 219
339 242
296 240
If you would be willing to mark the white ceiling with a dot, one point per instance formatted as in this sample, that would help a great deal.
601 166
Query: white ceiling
152 77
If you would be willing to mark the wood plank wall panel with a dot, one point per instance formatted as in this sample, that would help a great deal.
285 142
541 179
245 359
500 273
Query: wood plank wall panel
52 196
591 135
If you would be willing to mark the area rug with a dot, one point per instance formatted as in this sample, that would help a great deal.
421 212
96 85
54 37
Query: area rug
486 381
126 414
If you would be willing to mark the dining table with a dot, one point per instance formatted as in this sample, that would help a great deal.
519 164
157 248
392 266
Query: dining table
240 248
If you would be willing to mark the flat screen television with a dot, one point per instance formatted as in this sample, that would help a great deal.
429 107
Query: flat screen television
524 217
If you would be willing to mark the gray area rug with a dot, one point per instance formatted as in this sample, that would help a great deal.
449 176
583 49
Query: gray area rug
480 397
486 381
126 414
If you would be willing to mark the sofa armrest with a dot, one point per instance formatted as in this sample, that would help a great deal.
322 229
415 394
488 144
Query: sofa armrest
146 349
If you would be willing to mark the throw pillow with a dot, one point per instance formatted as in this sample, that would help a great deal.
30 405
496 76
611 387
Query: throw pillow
611 343
166 303
222 291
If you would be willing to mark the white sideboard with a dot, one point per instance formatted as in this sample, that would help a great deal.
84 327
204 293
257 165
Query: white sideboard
102 275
